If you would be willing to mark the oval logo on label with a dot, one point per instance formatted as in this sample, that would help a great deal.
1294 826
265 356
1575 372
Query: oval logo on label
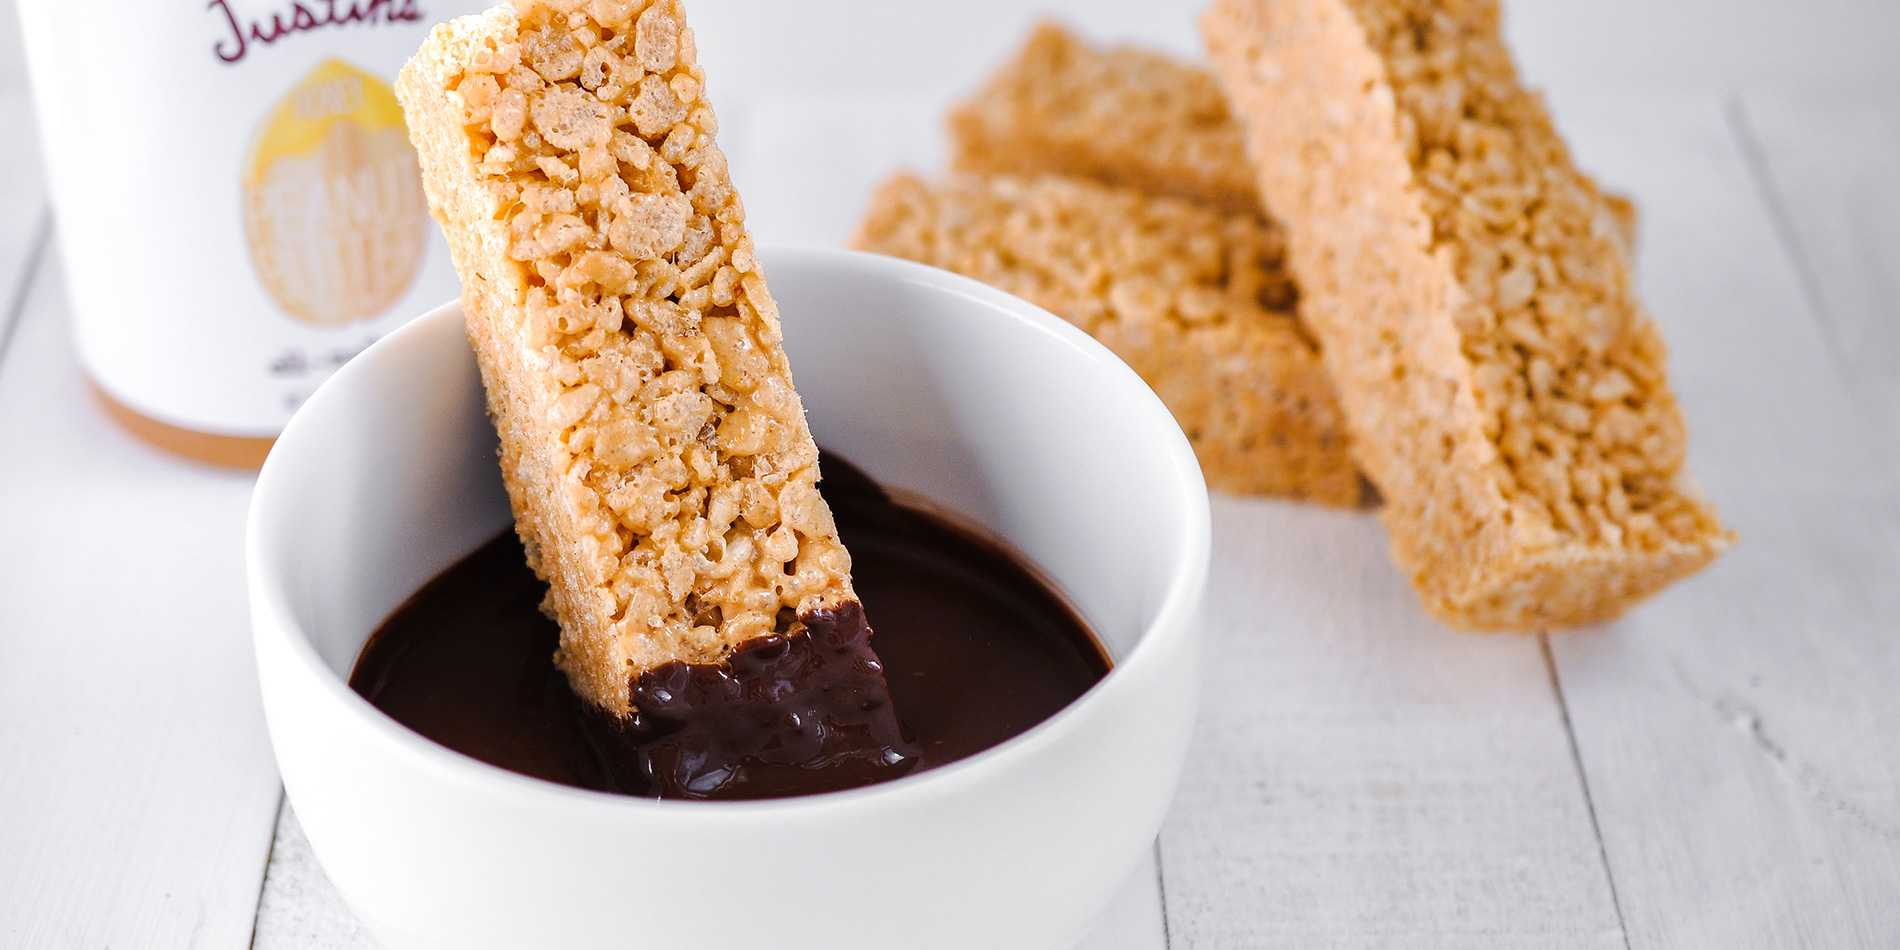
333 207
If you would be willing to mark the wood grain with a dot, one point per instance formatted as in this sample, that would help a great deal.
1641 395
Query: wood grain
134 778
1363 777
1829 166
300 909
137 789
1737 733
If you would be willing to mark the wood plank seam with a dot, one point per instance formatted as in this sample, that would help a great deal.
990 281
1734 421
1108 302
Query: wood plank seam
1834 333
263 874
1714 843
1362 777
1161 885
145 687
29 272
1755 162
1583 783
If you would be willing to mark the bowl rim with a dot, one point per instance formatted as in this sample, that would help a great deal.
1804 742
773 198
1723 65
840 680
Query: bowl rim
1175 618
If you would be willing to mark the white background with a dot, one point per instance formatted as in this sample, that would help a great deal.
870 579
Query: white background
1567 46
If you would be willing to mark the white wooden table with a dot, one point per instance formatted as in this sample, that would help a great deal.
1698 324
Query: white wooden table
1721 769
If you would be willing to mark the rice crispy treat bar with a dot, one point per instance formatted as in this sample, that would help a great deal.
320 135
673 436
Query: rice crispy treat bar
1194 299
1121 115
1471 290
1124 116
658 460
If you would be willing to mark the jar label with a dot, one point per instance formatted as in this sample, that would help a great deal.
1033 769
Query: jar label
333 208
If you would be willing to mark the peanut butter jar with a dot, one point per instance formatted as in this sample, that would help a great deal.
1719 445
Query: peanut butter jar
239 209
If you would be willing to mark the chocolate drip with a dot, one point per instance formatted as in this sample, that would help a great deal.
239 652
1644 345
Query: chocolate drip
785 715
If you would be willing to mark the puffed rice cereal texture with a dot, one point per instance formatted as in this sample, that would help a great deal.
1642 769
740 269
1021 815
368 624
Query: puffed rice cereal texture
1122 115
1194 299
1471 291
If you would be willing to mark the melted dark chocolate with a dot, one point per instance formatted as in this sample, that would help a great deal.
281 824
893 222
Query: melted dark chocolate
975 649
785 715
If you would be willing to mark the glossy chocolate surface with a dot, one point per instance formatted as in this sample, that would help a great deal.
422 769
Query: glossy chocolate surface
796 714
974 646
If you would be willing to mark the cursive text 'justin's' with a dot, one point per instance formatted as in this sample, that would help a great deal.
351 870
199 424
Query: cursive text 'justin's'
303 16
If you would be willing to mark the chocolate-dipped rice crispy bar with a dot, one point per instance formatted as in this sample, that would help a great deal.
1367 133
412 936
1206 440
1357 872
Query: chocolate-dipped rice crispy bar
1471 290
658 460
1193 298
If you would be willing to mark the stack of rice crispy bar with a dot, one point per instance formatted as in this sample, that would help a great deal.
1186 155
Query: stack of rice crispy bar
1112 188
1437 294
1473 296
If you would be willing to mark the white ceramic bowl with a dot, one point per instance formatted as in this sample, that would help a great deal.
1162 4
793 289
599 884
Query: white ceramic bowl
928 381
